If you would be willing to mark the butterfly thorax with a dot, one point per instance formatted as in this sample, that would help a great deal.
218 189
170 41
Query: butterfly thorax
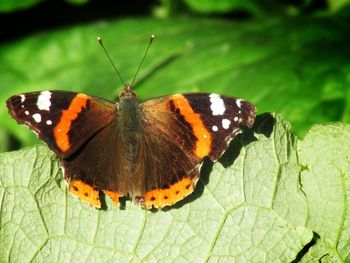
129 127
128 116
128 112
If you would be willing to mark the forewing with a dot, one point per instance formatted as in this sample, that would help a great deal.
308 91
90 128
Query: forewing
222 116
63 120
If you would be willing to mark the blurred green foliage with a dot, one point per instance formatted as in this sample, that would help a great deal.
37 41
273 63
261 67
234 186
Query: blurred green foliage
11 5
265 7
209 6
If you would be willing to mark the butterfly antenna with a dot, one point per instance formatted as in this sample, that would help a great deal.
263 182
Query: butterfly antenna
143 59
99 39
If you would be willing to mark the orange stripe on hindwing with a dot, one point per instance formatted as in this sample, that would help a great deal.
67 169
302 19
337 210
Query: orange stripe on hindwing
163 197
85 192
68 116
89 194
203 143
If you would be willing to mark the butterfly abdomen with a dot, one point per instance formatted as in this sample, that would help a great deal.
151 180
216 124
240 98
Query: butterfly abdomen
130 134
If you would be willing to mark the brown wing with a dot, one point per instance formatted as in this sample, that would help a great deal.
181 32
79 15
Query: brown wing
96 166
178 135
171 170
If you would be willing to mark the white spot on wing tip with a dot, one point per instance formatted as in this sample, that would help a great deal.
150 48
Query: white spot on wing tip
26 112
239 103
44 100
226 123
48 122
215 128
37 117
23 98
217 104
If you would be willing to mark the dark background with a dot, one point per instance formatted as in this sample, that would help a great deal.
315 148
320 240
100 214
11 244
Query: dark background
46 15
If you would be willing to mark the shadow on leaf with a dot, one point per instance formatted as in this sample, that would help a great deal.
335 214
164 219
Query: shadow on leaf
264 124
307 247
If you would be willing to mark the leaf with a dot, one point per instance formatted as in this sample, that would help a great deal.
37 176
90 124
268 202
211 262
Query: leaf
336 5
4 140
298 67
262 202
326 182
211 6
77 2
9 5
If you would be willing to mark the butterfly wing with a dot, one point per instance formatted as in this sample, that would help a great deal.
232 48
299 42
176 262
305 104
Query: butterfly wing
97 166
63 120
71 123
180 130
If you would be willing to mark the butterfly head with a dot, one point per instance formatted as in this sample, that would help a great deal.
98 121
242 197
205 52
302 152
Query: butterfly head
127 92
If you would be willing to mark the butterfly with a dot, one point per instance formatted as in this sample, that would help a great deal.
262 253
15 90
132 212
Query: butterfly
151 151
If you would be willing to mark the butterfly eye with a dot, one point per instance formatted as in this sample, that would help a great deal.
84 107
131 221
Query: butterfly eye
127 93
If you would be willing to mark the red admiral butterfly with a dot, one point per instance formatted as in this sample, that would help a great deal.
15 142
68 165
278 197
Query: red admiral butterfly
150 151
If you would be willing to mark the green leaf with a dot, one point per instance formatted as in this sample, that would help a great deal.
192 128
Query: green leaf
4 140
10 5
7 6
210 6
77 2
262 202
336 5
325 180
298 67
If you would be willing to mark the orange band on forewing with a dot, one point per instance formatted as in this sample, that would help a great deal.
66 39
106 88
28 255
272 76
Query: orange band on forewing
68 116
203 144
85 192
113 195
162 197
